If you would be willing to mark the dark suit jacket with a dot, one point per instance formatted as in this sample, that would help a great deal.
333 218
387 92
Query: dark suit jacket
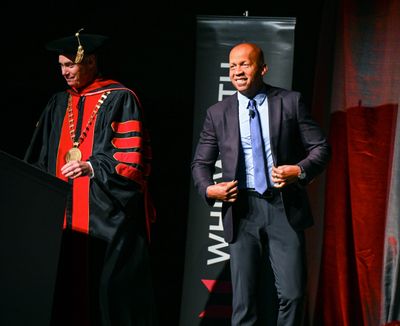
295 139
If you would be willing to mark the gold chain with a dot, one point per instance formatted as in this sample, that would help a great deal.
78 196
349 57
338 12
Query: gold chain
89 123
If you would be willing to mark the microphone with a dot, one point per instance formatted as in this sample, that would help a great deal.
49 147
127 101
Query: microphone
251 113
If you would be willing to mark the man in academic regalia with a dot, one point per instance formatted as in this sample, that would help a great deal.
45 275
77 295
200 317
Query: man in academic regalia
93 136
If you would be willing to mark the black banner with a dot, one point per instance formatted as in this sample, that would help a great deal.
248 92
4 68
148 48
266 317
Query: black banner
206 295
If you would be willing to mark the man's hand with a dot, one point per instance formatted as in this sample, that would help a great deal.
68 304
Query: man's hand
285 174
224 191
75 169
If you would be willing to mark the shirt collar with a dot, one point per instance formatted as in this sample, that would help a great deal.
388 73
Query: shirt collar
259 97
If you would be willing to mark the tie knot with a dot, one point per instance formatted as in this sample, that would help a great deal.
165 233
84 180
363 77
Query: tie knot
252 103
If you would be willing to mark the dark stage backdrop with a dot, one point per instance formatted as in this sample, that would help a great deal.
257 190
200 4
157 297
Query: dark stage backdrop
152 51
206 297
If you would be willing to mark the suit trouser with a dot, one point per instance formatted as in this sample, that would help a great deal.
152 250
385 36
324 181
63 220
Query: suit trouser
265 242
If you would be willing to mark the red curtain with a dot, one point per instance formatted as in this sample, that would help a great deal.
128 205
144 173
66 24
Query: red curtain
361 95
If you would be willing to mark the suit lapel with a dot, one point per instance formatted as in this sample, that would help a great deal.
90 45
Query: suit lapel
232 136
275 116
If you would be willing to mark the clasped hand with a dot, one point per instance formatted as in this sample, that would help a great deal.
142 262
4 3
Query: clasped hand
224 191
75 169
284 175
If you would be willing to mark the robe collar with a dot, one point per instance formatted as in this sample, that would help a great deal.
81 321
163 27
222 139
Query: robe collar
94 87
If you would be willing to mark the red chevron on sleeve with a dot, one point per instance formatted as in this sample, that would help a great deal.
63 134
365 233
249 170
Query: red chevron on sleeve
129 142
130 172
126 126
128 157
133 165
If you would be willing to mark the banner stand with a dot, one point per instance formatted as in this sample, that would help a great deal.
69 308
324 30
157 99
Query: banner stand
206 295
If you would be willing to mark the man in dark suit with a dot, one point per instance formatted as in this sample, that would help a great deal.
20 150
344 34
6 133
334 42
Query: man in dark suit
264 228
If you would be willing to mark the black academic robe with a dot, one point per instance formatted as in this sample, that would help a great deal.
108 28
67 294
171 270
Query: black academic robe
106 214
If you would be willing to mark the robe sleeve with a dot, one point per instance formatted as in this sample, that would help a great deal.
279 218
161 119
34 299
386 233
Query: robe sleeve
121 157
41 150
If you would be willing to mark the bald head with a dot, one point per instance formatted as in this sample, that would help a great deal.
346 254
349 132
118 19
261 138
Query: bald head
247 68
253 50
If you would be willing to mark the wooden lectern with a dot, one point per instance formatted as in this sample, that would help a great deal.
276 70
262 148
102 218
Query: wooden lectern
32 205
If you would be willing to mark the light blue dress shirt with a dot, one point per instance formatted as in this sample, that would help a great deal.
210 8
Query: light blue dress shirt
247 181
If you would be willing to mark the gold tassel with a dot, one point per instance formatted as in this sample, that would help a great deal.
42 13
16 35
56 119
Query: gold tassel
81 51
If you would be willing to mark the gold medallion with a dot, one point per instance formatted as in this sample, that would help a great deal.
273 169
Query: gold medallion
74 154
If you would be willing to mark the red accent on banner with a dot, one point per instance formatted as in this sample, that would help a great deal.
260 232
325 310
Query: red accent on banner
216 311
217 286
126 126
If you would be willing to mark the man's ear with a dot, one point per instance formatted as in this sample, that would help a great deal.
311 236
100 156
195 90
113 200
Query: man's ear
264 69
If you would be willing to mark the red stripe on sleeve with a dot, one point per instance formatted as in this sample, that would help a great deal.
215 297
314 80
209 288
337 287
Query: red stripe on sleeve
130 172
130 142
130 157
126 126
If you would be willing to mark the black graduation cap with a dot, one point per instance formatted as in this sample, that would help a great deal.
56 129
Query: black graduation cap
79 44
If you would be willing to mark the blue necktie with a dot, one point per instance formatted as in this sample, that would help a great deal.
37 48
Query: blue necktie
260 176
